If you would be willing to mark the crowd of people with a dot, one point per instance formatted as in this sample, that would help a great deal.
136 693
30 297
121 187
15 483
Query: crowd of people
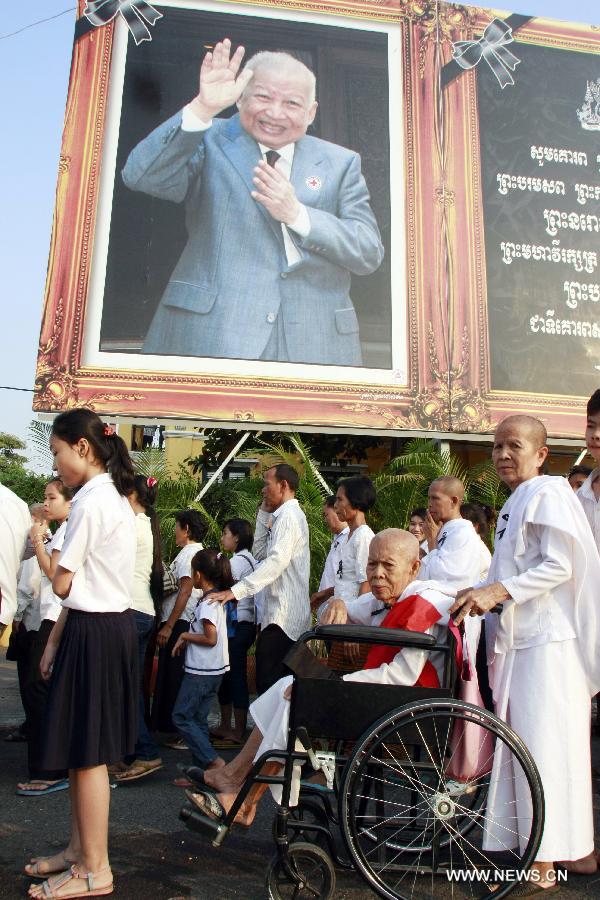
93 597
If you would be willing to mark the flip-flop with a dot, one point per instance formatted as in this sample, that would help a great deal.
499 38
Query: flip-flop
138 770
207 803
210 806
196 775
183 782
42 791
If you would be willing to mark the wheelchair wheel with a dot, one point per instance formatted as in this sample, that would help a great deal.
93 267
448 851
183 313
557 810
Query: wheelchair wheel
411 827
314 871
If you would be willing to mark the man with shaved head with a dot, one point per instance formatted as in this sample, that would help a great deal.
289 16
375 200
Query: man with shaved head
544 658
277 221
397 600
457 556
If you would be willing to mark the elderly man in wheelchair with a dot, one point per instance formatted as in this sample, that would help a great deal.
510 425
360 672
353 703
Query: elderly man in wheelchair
410 765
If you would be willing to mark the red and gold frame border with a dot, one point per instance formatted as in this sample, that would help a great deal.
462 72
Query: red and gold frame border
448 373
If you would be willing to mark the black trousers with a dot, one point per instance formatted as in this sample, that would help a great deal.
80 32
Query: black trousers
23 641
168 681
272 645
35 700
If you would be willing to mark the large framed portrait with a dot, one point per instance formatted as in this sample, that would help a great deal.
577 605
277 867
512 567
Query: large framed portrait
421 255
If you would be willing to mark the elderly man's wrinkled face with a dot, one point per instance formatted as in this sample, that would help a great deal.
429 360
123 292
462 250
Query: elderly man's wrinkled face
276 109
390 569
515 454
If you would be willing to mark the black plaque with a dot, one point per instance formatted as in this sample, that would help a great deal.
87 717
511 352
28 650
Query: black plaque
540 139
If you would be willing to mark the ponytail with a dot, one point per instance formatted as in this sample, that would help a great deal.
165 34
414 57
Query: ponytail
215 567
108 447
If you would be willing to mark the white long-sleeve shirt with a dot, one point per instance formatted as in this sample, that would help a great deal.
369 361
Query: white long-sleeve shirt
458 559
15 523
281 545
591 504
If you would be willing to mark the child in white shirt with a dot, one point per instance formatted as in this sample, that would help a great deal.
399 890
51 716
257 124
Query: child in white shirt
206 658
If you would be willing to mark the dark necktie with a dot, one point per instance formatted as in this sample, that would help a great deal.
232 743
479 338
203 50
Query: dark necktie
272 156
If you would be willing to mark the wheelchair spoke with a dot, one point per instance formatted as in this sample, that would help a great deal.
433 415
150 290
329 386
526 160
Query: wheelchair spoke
407 821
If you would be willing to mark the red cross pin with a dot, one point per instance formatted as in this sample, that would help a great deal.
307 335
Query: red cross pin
313 183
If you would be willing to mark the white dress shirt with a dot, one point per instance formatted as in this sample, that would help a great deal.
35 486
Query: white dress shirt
333 559
141 598
457 560
282 547
591 504
99 548
301 224
50 604
352 567
15 522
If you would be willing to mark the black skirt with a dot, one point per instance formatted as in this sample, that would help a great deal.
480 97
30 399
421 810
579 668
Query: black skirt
92 712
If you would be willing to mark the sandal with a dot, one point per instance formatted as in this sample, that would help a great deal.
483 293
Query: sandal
177 744
207 803
51 888
39 788
210 806
139 769
32 869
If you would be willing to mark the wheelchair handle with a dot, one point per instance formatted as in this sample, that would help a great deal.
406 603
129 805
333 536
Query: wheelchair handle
370 634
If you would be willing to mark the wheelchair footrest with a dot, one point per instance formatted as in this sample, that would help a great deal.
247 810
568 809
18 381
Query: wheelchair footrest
197 821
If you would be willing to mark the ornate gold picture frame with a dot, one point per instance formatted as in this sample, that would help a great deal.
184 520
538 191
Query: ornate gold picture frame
448 379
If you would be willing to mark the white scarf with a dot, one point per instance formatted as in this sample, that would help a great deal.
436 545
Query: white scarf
550 501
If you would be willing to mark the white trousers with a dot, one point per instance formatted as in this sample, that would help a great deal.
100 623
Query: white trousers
542 693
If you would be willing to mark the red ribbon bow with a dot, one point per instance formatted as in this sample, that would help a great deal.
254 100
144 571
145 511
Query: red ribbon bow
151 482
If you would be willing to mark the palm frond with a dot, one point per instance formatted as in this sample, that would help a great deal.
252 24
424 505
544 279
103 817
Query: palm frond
39 436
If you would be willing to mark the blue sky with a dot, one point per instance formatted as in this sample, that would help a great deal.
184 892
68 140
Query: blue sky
34 72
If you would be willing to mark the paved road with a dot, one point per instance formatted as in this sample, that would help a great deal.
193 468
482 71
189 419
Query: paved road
152 853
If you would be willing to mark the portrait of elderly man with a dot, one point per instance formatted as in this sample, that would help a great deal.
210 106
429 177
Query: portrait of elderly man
397 600
277 221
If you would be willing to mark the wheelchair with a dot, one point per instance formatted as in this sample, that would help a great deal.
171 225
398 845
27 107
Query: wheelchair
408 822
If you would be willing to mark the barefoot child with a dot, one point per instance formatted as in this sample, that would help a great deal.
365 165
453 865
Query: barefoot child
206 658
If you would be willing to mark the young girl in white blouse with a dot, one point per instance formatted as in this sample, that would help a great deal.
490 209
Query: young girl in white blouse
57 504
91 654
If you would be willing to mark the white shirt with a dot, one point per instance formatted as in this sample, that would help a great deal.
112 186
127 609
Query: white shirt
15 523
201 659
591 506
141 598
99 548
50 604
301 224
333 559
242 564
182 568
28 595
282 547
457 560
352 567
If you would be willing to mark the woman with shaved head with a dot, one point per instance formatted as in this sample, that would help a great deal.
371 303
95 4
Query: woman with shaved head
544 655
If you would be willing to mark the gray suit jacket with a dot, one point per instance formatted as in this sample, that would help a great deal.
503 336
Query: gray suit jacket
233 282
